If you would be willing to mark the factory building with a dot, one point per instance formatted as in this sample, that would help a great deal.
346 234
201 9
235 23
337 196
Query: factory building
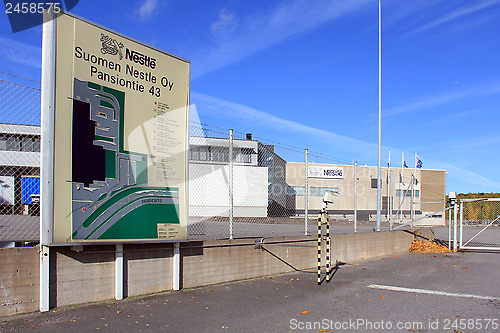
428 191
19 168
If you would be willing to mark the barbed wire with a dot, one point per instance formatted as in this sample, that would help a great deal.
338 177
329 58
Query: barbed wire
20 85
223 135
20 77
284 145
330 158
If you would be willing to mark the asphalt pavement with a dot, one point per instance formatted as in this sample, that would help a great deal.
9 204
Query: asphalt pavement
455 292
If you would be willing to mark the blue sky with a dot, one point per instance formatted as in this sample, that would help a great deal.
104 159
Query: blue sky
305 73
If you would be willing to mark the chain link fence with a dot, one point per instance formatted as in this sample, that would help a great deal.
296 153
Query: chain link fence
208 183
238 186
480 223
242 185
19 158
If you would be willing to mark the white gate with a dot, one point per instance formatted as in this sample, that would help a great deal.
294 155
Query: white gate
480 224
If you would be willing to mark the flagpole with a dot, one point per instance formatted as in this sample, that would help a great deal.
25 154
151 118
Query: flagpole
413 189
401 190
389 197
379 170
418 165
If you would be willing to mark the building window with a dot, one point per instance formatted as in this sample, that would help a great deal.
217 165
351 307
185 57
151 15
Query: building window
296 190
314 191
219 154
198 153
3 143
13 144
36 144
27 144
210 154
243 155
407 193
20 143
320 191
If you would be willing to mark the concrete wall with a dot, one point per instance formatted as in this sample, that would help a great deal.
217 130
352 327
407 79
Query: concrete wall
147 269
88 275
351 247
225 261
215 263
81 277
19 280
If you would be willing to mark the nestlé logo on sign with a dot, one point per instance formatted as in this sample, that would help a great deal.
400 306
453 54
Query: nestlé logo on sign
140 58
332 173
111 46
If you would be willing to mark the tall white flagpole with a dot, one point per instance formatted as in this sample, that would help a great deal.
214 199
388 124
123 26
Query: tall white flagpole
389 192
401 190
413 178
379 170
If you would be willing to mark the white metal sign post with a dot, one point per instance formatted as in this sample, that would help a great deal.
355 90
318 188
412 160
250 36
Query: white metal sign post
47 156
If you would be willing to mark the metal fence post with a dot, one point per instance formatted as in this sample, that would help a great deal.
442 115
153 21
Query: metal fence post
306 190
455 226
320 221
355 196
47 158
119 269
44 304
176 267
449 228
412 208
389 197
231 165
461 223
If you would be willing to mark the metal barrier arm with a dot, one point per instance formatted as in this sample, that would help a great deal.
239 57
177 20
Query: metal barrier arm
403 225
478 199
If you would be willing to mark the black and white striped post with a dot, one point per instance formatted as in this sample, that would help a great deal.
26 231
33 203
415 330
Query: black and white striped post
320 217
324 219
327 220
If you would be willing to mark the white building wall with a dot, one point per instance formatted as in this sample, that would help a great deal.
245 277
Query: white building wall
19 159
209 190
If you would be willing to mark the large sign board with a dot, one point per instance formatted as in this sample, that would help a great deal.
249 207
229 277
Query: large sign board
330 172
120 137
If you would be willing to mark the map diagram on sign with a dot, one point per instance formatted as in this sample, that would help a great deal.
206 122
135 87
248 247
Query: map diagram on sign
111 198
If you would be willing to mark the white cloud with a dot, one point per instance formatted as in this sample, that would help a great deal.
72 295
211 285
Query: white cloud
454 116
454 15
477 149
219 107
21 53
256 33
148 9
425 102
468 177
225 21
